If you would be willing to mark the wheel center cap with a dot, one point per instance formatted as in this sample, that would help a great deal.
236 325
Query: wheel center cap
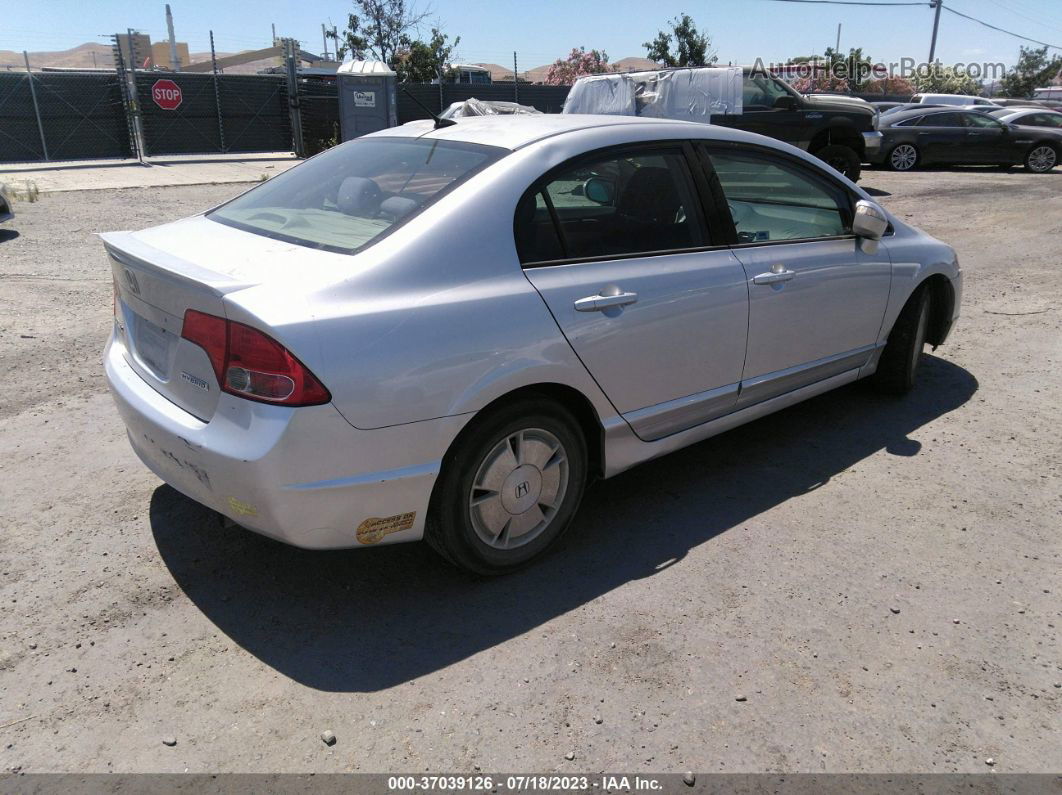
521 489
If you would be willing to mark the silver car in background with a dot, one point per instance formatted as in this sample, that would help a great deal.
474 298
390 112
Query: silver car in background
446 332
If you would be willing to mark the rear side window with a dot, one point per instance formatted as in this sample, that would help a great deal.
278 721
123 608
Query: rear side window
624 204
942 120
350 196
771 200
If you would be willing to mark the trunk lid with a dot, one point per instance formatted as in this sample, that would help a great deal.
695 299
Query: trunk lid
153 289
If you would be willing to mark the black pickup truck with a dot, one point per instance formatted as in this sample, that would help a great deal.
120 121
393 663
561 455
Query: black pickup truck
835 129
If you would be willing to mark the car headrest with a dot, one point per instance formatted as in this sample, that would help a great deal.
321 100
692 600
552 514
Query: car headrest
398 206
650 195
358 196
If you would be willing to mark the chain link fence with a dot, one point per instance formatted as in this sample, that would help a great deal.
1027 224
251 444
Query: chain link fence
217 114
81 116
89 115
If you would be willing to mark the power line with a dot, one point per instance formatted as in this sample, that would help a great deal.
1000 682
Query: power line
849 3
931 5
993 27
1014 10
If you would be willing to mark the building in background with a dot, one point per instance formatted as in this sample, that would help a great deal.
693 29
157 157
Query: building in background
138 49
160 54
472 73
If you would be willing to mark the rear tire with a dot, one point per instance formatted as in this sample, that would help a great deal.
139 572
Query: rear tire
903 157
509 488
1041 158
842 158
898 365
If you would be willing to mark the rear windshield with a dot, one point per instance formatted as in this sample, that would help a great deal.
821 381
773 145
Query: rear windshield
350 196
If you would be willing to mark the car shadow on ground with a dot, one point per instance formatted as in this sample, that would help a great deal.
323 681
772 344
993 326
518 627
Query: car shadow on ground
364 620
7 234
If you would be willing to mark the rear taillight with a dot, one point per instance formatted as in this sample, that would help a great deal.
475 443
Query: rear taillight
252 365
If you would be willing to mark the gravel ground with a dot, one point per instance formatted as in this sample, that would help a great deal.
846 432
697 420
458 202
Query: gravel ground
854 584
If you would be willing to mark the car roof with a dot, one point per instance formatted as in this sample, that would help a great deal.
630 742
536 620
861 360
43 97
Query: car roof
931 110
516 131
1017 111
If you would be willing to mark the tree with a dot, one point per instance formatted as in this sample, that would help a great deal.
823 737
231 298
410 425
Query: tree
1033 70
821 83
694 48
855 67
565 71
937 79
421 62
379 30
351 41
891 86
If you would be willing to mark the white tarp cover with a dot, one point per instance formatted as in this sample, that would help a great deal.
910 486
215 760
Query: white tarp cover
694 94
611 94
481 107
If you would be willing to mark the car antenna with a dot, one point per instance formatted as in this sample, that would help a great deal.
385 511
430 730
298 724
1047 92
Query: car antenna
439 120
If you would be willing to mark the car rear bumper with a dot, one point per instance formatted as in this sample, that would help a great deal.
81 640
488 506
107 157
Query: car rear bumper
304 476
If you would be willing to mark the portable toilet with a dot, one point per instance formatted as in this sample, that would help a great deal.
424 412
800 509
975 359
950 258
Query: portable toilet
367 100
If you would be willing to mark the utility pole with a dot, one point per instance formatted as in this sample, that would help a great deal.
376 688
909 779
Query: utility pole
324 40
516 80
837 48
936 4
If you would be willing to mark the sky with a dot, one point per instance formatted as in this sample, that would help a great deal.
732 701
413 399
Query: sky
543 30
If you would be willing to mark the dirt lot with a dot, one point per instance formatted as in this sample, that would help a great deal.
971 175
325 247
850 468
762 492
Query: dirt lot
768 563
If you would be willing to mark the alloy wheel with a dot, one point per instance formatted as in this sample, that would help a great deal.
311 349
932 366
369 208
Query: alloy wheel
903 157
1042 158
518 488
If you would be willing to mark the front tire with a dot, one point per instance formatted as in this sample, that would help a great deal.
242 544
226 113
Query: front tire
898 365
903 157
509 488
1041 158
843 158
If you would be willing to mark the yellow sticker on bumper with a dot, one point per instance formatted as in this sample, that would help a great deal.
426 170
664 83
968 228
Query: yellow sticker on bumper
372 530
242 508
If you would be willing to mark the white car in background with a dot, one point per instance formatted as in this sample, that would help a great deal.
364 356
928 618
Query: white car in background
951 99
445 331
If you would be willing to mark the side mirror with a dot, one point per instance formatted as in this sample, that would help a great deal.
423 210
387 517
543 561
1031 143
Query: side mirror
784 103
870 222
599 191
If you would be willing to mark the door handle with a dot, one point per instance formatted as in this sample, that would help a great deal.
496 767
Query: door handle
595 303
774 276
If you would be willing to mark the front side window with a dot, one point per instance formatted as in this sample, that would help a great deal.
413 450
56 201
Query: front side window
348 197
1042 120
980 120
760 91
620 205
770 200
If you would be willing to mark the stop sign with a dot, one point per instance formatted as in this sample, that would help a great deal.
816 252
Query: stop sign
167 94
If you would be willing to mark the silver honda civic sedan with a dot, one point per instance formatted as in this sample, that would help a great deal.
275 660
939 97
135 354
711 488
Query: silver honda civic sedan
446 332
